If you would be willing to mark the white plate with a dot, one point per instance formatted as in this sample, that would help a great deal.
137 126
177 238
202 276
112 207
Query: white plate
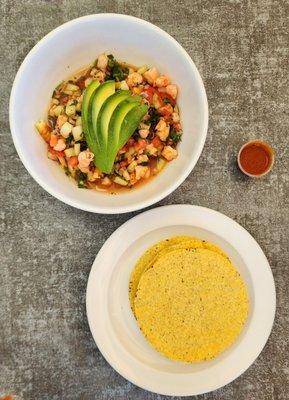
114 328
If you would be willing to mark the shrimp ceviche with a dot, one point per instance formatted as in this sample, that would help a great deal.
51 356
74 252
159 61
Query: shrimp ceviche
113 125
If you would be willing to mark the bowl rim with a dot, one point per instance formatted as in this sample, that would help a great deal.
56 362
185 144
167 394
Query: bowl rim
96 208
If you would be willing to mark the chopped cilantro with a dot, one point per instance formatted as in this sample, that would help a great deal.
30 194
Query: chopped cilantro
69 139
67 172
175 137
81 179
136 135
166 100
82 185
51 122
116 71
111 61
81 176
154 117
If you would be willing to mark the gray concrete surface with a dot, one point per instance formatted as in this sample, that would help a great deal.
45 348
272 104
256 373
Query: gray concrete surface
241 49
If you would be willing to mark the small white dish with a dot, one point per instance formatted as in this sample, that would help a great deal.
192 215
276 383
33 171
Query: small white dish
115 330
75 45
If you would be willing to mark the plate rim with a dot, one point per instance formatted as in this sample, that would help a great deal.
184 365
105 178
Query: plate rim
97 264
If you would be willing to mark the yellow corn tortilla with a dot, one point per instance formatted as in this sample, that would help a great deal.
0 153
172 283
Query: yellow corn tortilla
150 256
191 304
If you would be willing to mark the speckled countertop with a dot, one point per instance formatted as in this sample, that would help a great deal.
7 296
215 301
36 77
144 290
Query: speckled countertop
241 48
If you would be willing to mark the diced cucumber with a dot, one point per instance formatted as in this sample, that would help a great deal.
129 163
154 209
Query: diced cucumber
161 163
120 181
78 106
132 166
78 121
126 175
77 148
77 132
66 129
69 152
70 110
58 110
72 87
123 85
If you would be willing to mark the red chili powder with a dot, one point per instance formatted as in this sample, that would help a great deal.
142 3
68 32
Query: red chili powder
256 158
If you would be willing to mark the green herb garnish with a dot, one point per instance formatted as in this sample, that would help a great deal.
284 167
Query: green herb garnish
69 139
81 179
166 100
117 71
67 172
82 185
154 117
51 122
175 137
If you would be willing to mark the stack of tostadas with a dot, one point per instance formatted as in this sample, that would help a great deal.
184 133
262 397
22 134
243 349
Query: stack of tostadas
189 300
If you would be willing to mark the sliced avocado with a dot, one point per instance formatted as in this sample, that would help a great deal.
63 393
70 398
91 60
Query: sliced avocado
109 119
103 120
100 95
130 123
116 120
88 94
117 138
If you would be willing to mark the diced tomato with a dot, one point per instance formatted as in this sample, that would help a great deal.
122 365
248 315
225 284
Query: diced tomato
63 99
164 96
156 142
140 145
123 149
177 126
166 110
150 91
81 82
55 152
72 161
123 163
53 140
131 142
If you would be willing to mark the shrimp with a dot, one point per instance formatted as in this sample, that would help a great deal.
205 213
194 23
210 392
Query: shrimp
84 159
102 62
134 79
151 75
172 90
162 81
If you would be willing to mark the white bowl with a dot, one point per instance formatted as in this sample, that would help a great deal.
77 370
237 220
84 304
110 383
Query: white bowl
114 327
73 46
